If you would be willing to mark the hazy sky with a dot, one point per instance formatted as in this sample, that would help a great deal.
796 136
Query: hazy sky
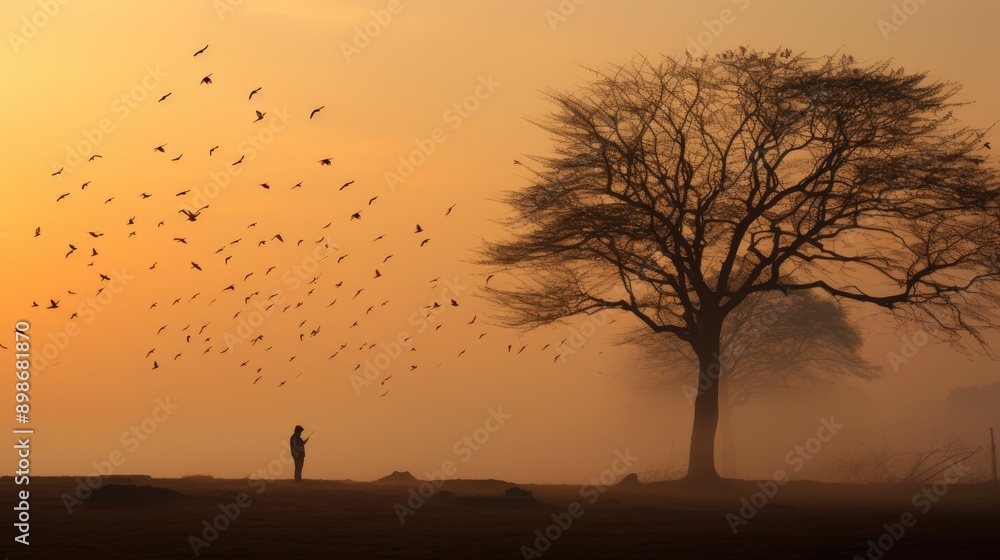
463 80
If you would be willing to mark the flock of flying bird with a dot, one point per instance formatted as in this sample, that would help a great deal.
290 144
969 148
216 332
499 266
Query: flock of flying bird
247 297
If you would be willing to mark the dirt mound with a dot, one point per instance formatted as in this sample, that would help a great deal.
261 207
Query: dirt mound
397 477
630 480
132 495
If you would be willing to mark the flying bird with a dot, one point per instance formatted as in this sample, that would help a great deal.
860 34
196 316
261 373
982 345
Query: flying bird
265 185
260 116
83 186
210 150
201 50
159 148
177 158
207 79
252 93
38 231
95 234
987 146
53 304
181 240
145 195
93 157
419 229
316 110
448 211
165 96
424 242
62 196
155 365
326 161
191 216
58 172
182 193
239 161
195 265
517 162
345 185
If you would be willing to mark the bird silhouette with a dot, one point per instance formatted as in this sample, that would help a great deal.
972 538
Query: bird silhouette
207 79
239 161
448 211
201 50
987 146
178 158
252 93
145 195
95 156
316 110
419 229
155 365
326 161
53 304
38 231
58 172
424 242
84 186
210 150
164 97
260 116
265 185
160 148
195 265
517 162
345 185
62 196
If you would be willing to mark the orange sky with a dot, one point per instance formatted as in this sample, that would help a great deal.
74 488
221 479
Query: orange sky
103 64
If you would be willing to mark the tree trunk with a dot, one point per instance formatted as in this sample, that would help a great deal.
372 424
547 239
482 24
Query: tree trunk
701 461
726 439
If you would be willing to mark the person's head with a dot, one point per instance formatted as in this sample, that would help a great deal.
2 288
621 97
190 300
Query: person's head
298 429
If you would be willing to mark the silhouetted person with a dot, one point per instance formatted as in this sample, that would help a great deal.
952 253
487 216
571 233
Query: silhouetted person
298 446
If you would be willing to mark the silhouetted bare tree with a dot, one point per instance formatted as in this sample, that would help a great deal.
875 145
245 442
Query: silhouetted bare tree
680 188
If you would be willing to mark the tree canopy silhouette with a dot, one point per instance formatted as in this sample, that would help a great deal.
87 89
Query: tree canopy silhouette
680 187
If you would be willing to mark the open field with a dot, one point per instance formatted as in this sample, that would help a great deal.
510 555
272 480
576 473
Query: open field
474 519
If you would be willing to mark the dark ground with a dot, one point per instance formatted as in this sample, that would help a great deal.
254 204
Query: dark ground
474 519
